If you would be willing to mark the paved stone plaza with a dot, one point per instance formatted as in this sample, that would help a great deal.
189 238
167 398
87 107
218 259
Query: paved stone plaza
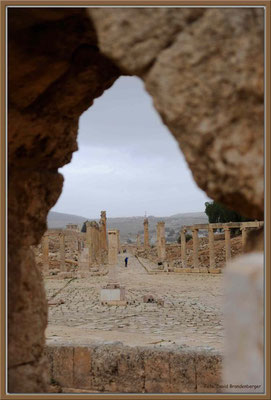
188 311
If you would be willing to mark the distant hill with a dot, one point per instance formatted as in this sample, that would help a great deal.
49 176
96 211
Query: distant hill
129 227
60 220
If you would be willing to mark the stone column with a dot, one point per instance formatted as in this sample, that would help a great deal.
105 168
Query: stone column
93 240
89 243
195 248
244 237
112 247
227 243
146 234
112 254
211 247
45 253
138 241
183 247
118 235
104 245
62 251
161 241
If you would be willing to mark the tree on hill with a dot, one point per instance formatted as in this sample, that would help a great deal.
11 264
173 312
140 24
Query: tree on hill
217 213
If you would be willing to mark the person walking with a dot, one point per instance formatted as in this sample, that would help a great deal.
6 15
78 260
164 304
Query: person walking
126 261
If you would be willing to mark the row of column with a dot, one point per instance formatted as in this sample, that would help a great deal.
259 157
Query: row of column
211 245
96 240
161 239
45 251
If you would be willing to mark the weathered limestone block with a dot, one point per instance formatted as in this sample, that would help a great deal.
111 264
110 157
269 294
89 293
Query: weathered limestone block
207 91
244 323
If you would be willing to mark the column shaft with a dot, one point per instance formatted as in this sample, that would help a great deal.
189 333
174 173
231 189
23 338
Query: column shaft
183 247
227 243
195 248
211 247
62 251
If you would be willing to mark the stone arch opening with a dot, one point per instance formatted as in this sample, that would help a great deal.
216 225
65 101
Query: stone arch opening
68 57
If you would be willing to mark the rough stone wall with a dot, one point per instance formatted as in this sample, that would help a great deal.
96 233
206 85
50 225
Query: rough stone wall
55 72
124 369
204 70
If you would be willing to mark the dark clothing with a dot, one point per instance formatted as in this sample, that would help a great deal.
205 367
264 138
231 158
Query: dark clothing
126 261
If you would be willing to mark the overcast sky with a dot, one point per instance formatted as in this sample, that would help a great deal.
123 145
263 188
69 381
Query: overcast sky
128 163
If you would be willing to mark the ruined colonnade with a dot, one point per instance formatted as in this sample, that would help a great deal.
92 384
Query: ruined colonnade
243 226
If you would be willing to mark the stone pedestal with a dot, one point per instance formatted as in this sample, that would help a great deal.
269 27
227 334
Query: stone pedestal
113 294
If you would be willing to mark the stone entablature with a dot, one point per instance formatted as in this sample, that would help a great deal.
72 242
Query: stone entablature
73 227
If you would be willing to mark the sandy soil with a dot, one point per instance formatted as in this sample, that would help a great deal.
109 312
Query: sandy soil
191 314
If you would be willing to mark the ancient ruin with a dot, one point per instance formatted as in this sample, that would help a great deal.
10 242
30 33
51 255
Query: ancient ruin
210 95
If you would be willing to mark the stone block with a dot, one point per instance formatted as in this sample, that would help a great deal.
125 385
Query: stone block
208 372
182 372
157 382
109 294
62 369
215 270
82 367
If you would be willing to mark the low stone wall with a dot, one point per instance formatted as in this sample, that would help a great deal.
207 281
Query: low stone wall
117 368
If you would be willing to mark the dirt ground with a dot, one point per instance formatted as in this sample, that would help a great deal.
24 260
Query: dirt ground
191 314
